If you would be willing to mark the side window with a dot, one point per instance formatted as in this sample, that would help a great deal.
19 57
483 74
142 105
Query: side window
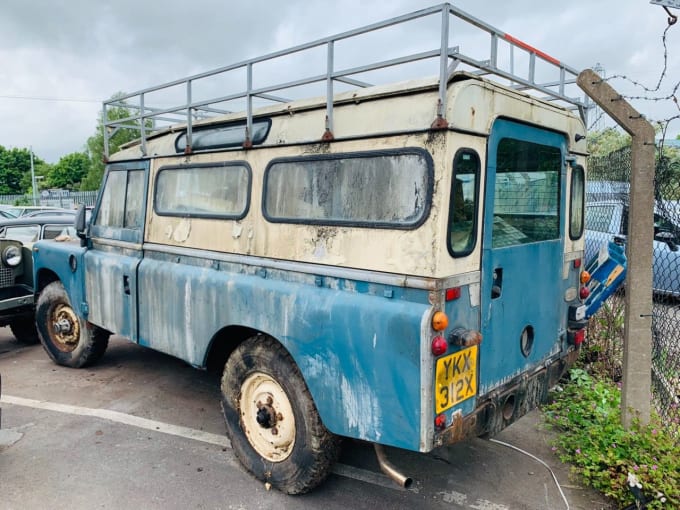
219 190
462 232
112 202
576 202
381 189
121 206
25 234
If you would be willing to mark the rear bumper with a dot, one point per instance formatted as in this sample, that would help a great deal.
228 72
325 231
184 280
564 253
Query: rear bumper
507 404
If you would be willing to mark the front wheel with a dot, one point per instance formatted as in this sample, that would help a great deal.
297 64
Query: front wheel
68 339
271 419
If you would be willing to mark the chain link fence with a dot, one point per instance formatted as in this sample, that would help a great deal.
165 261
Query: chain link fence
607 206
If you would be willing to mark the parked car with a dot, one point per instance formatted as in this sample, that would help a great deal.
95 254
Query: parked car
51 212
29 229
16 269
607 220
22 210
16 290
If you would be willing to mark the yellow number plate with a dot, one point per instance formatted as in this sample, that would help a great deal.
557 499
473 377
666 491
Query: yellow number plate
455 378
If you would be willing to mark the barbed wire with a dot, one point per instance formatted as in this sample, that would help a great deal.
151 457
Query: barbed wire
672 96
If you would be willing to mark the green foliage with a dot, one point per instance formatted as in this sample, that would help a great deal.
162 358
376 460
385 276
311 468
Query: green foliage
587 417
68 172
95 144
15 170
603 143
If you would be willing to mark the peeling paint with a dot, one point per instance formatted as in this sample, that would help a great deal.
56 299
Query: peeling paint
362 408
182 231
236 230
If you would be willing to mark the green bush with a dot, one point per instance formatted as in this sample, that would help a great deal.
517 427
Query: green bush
587 416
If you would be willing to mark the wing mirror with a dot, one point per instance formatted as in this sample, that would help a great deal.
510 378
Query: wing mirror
668 238
80 225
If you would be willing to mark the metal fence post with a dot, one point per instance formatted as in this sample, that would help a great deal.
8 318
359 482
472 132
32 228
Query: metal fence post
637 344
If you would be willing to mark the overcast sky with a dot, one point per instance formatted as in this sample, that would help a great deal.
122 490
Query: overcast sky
58 61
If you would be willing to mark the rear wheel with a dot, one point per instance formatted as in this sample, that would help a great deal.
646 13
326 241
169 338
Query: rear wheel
271 419
24 330
68 339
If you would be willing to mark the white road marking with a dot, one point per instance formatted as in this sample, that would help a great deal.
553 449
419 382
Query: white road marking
126 419
344 470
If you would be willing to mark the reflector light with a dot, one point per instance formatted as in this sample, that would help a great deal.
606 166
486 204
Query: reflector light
439 345
585 277
579 337
453 293
577 263
440 321
440 421
584 292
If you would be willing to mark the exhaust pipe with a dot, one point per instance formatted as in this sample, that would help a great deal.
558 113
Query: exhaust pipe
387 468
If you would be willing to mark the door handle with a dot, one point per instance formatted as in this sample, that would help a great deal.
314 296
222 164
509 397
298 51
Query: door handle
126 284
497 283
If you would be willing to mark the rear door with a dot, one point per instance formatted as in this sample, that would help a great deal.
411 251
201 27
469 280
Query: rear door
522 299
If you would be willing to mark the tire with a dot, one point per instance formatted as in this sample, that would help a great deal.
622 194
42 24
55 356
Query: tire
272 422
68 339
24 330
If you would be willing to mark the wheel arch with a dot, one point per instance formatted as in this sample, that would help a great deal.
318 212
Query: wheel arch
44 278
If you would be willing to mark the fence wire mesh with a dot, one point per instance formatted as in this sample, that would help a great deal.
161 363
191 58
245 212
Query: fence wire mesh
607 201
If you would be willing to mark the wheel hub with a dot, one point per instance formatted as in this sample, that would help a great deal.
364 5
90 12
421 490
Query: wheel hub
267 417
65 328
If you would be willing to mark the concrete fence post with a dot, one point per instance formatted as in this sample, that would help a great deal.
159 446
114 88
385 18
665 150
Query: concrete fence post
637 344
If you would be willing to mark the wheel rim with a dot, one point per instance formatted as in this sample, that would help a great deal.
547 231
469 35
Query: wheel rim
267 417
64 328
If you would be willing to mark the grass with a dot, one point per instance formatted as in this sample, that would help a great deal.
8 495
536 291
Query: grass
641 463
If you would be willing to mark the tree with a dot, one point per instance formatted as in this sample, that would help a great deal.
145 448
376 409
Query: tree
68 172
95 144
603 143
15 170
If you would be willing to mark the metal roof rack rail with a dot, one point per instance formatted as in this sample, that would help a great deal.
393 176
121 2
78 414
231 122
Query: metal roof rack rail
147 118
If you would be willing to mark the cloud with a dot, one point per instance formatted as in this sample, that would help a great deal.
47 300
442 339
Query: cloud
87 51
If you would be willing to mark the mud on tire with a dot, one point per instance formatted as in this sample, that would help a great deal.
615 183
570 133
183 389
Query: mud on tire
68 339
271 419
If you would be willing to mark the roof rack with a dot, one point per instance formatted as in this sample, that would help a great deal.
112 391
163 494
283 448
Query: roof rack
148 119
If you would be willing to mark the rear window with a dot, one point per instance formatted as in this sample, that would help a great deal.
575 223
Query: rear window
376 189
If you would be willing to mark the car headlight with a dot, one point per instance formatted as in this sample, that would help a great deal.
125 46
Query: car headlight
11 256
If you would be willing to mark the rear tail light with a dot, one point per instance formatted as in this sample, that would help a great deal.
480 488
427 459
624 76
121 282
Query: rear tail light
439 345
577 337
577 263
584 292
440 421
453 293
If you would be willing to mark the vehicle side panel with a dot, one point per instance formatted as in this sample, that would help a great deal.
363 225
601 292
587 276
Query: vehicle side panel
346 336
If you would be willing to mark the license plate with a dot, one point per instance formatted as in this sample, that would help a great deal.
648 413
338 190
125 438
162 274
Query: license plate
455 378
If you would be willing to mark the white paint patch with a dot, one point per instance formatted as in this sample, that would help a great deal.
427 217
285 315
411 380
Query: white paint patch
483 504
362 408
237 230
474 291
182 231
454 497
375 340
117 417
